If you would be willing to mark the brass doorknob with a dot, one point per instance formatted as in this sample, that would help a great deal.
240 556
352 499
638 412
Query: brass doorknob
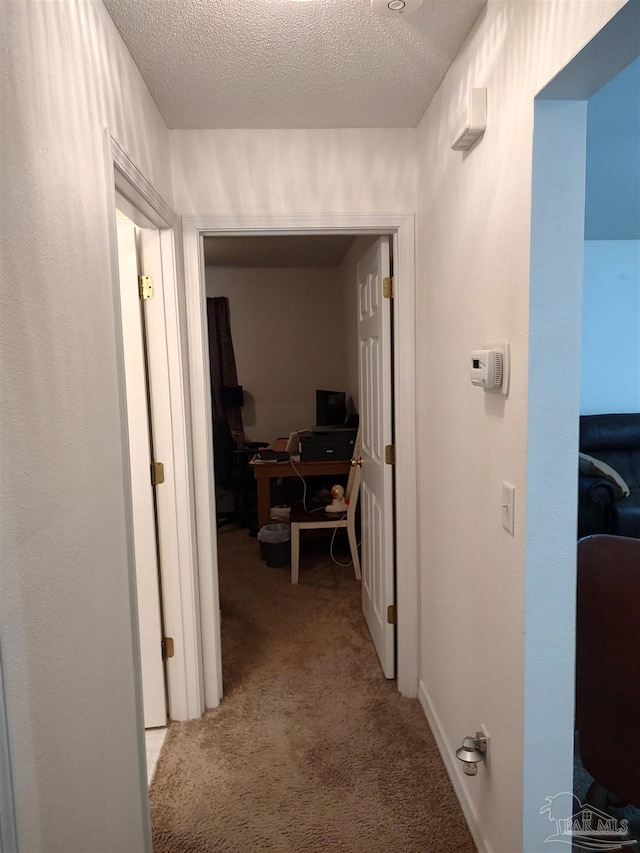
356 463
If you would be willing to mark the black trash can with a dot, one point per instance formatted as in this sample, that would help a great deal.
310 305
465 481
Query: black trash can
275 542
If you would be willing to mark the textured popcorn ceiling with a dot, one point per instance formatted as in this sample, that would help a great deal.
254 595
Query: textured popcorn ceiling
291 63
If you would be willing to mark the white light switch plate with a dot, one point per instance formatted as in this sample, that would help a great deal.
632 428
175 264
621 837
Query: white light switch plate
508 507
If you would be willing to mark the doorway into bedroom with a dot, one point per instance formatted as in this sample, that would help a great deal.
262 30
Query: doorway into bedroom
293 320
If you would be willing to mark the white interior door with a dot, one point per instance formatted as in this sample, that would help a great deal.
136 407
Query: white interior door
376 417
144 520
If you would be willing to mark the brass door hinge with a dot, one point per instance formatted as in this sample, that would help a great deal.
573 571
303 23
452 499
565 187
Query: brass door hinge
390 454
145 286
388 290
157 473
392 614
167 648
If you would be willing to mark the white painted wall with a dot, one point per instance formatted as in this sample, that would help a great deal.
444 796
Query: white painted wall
294 171
289 338
473 287
65 602
610 378
612 209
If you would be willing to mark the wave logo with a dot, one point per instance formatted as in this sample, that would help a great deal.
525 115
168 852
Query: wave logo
588 828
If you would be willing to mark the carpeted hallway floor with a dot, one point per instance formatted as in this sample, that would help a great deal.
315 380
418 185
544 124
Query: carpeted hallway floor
311 750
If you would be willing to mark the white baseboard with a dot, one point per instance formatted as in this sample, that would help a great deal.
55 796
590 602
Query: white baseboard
448 757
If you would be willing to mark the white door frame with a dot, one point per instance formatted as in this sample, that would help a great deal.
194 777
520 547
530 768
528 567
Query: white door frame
401 227
180 587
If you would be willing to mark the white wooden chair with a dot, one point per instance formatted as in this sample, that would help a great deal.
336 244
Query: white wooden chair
303 520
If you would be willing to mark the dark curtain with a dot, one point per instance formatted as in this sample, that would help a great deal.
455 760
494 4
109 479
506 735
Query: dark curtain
222 362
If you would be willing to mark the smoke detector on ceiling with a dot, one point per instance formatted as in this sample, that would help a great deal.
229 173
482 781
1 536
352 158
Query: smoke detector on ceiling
395 8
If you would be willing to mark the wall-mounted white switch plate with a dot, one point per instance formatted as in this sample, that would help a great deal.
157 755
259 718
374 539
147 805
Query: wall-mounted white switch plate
508 507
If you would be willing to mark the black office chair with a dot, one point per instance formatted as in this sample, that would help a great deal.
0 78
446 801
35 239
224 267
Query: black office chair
235 488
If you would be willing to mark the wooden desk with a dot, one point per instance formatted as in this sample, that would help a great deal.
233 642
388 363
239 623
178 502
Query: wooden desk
264 472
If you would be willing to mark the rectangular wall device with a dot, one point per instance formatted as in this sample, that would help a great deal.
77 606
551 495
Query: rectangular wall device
473 121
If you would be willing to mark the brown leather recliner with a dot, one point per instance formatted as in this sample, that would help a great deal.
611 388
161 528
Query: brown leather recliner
608 666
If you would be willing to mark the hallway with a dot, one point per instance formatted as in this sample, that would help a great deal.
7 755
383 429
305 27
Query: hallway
312 749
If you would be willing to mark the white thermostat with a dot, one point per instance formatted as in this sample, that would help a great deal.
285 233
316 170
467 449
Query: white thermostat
489 368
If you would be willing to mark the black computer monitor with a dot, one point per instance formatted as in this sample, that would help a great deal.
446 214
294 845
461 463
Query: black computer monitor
331 408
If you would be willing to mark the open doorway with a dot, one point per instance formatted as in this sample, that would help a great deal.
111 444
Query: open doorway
557 267
609 497
400 228
294 306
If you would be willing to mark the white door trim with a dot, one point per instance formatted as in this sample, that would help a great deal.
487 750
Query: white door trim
402 229
175 498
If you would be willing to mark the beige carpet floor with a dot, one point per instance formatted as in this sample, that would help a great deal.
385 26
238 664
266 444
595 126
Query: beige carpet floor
312 750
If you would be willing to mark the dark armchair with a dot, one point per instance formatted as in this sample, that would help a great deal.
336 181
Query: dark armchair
609 502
